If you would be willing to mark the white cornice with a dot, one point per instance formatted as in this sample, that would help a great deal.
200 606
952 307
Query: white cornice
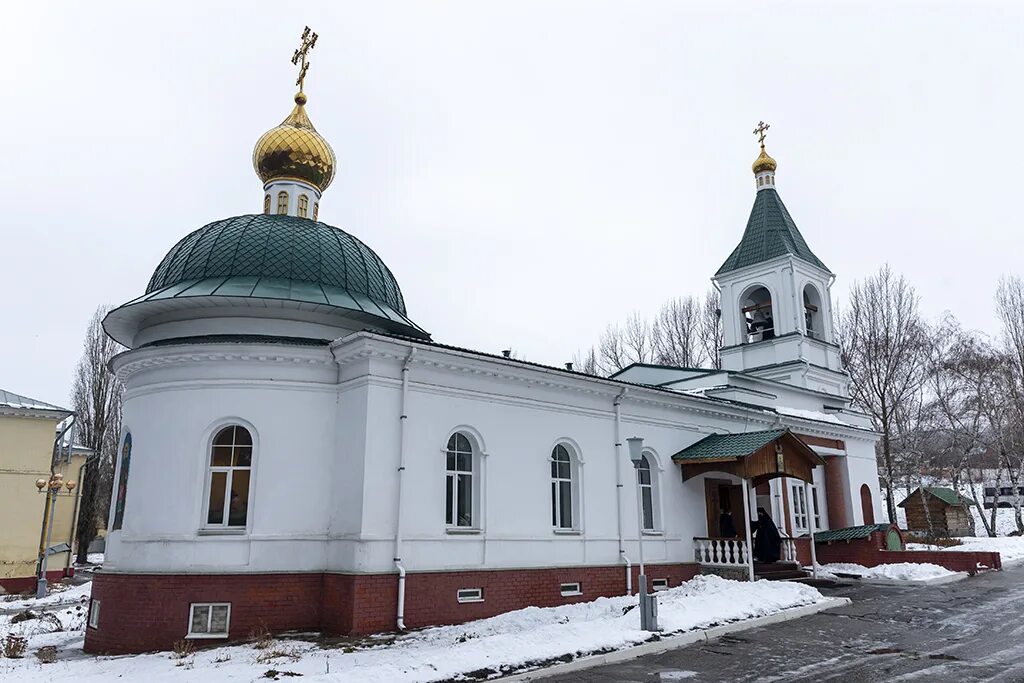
127 364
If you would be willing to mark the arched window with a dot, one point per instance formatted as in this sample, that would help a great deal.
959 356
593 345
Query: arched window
282 202
760 181
459 481
563 488
648 482
812 313
756 308
316 210
303 206
266 203
866 505
227 502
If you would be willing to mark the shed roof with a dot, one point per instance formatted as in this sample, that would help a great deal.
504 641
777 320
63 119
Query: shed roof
943 493
849 533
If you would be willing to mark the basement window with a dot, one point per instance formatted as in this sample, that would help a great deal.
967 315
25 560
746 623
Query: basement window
568 589
94 614
470 595
659 585
209 620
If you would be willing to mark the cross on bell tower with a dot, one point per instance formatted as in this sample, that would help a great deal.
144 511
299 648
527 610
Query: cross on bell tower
299 58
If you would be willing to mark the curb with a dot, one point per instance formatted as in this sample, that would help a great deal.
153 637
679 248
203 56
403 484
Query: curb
681 640
934 581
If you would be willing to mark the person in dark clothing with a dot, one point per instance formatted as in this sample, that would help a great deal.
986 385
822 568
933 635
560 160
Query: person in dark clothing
767 542
725 525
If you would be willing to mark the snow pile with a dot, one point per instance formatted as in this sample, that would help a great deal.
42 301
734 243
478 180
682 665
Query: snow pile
507 642
59 595
810 415
1010 548
897 571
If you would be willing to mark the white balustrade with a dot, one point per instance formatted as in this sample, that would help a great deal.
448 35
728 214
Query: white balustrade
720 552
788 549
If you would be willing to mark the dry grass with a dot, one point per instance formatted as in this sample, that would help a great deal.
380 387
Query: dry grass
183 649
261 637
14 646
47 654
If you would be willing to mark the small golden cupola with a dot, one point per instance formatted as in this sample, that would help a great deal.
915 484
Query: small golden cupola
764 166
295 163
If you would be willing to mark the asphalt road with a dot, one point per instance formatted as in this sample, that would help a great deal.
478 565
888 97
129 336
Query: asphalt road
972 630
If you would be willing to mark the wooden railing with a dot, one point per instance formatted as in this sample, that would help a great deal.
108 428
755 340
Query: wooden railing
720 552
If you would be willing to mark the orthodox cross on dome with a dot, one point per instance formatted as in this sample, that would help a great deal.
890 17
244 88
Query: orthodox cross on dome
299 58
760 131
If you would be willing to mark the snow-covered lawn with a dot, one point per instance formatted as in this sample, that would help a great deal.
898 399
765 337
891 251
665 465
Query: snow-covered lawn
897 571
513 641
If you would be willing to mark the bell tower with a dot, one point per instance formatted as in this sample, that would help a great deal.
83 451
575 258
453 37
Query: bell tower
776 297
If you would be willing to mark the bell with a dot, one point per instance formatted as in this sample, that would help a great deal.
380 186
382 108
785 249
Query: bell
40 484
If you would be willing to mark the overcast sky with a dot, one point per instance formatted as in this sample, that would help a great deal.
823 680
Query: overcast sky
530 171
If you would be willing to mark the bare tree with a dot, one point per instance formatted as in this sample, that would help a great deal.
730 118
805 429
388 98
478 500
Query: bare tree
96 397
884 352
1010 309
676 333
586 362
710 334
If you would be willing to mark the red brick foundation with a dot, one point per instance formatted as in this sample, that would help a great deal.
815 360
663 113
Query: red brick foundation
27 584
145 612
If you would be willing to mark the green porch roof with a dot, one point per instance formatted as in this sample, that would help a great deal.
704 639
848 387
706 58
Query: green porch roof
770 233
943 493
727 446
849 533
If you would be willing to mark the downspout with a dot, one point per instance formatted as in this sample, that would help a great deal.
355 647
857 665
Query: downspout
618 488
41 560
400 616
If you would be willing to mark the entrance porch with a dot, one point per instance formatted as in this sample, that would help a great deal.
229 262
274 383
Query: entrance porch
753 459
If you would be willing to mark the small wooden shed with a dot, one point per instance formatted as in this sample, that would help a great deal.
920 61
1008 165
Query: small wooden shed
948 511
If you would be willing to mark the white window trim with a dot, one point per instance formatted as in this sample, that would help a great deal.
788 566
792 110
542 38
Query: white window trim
659 584
211 605
478 598
475 476
656 528
205 528
575 477
570 589
94 614
799 499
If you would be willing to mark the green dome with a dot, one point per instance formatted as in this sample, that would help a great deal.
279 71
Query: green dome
279 257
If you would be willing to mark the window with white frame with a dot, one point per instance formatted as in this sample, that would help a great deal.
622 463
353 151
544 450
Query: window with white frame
646 477
209 620
470 595
569 589
459 481
562 488
227 501
799 508
815 508
94 614
659 585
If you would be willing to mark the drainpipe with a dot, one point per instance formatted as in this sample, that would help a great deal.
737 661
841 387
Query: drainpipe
44 541
400 616
618 487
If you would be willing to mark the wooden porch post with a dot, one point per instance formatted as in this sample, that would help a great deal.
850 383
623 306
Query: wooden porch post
810 526
746 528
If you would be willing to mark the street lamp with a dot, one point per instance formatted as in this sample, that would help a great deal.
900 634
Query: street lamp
648 601
52 488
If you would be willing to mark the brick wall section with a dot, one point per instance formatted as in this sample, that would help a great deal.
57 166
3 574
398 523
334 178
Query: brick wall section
870 552
27 584
145 612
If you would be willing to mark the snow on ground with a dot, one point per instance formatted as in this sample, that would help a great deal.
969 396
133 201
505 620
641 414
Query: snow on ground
897 571
507 642
59 595
1010 548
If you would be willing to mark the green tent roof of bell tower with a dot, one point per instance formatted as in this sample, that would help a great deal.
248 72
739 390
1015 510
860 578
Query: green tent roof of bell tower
770 233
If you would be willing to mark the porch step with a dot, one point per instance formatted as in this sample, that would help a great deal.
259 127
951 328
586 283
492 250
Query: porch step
778 571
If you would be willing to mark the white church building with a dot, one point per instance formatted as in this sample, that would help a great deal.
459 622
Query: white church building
298 452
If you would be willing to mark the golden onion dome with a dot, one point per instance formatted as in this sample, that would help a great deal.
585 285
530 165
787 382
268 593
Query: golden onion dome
295 150
764 162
